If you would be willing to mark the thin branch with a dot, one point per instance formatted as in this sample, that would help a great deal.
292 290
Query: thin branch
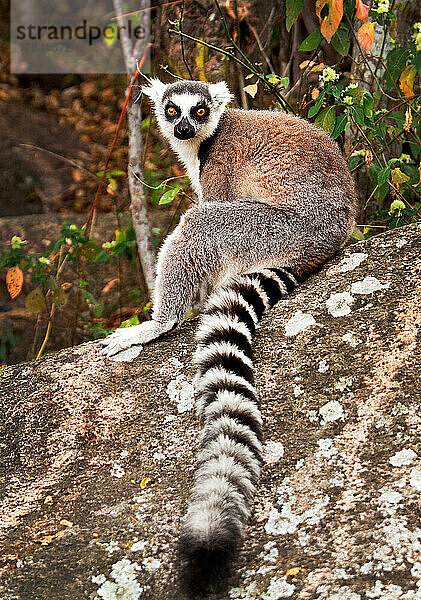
72 162
261 48
269 86
182 42
142 10
366 61
92 212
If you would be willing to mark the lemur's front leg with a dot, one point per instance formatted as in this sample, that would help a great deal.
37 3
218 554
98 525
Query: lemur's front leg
184 263
213 240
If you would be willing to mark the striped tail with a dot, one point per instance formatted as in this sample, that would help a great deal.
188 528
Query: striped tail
231 440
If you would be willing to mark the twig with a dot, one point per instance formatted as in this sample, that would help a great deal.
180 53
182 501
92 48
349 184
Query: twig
111 150
182 42
265 83
367 62
61 262
142 10
72 162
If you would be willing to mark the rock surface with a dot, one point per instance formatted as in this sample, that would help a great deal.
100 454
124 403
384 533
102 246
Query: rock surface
97 458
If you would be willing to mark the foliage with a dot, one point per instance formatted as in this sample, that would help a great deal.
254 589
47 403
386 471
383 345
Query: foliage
48 279
372 109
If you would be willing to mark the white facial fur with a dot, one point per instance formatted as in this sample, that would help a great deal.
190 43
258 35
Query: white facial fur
188 150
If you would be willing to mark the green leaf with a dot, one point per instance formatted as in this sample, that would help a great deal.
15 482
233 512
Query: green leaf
17 243
90 250
417 61
356 94
368 103
273 79
111 34
52 283
397 205
169 195
357 235
336 90
340 124
383 175
60 298
311 42
98 309
293 9
315 109
340 42
326 119
353 161
398 116
35 301
357 114
130 322
399 176
381 192
285 82
395 61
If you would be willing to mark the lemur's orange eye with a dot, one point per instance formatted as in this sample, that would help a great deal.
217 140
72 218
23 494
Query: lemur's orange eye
170 111
200 112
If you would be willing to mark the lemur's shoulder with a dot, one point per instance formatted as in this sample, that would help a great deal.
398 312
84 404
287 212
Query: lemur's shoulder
271 155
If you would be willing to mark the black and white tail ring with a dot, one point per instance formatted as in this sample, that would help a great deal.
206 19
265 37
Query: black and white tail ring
231 440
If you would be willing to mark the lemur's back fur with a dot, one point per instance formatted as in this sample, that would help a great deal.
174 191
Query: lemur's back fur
276 200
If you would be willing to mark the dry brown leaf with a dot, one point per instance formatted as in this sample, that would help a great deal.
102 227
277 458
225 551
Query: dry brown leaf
368 157
366 35
49 538
406 80
330 23
306 63
108 286
408 119
362 10
14 281
251 89
294 571
66 523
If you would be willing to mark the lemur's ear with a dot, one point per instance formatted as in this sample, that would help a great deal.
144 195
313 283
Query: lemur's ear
155 90
220 93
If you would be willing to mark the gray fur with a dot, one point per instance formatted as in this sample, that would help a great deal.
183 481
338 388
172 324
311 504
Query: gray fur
275 201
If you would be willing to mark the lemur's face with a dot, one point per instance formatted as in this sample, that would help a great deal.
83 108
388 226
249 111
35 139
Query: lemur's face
188 110
186 113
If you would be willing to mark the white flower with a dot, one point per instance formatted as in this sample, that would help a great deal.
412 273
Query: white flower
329 74
405 157
358 153
383 6
348 100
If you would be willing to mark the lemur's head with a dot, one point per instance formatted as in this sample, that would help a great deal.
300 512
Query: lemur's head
188 110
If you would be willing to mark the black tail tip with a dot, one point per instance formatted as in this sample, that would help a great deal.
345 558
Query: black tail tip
204 571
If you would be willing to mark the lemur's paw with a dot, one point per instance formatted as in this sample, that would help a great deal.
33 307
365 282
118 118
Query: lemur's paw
127 343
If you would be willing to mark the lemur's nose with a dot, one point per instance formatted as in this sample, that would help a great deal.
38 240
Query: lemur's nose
184 130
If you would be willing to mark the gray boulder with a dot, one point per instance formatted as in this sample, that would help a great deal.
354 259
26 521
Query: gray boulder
97 457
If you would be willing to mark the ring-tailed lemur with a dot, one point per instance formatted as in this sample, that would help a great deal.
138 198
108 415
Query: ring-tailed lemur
276 200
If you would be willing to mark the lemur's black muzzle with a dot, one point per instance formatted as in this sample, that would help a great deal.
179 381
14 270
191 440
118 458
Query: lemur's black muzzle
184 130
